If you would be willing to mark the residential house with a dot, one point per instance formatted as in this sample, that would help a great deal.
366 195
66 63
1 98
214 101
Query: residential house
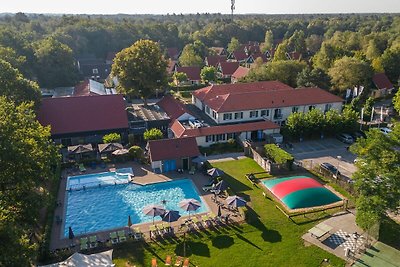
171 67
175 109
206 136
238 56
92 87
270 53
226 69
220 51
93 68
193 74
173 53
383 85
172 154
293 55
84 119
239 73
270 100
214 60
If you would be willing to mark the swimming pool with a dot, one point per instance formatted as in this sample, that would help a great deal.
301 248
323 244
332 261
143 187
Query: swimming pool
107 207
119 176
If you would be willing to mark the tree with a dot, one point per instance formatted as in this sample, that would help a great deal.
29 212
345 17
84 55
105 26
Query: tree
189 57
208 74
325 57
281 50
297 42
136 152
348 72
111 138
55 64
368 106
10 55
233 45
396 101
268 41
140 68
390 62
313 43
372 51
179 77
313 78
285 71
15 87
27 159
153 134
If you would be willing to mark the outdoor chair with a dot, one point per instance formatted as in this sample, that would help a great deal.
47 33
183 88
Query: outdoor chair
178 261
81 167
186 263
121 236
192 170
168 261
198 223
84 243
154 262
92 241
114 237
137 233
206 220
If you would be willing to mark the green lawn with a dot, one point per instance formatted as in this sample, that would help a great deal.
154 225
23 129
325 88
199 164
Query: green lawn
268 239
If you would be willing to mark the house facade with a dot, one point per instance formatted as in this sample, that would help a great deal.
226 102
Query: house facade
270 100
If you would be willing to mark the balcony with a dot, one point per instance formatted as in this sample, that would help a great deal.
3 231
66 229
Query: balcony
278 116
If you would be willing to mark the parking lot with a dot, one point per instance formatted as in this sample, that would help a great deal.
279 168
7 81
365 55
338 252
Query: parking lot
329 150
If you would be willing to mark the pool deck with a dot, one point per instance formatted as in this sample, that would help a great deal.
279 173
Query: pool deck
143 176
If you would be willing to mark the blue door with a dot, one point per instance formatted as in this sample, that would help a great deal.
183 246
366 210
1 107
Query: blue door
169 165
259 134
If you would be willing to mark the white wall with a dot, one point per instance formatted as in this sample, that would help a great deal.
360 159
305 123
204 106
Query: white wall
156 165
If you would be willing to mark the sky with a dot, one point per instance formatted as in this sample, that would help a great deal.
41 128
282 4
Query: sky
199 6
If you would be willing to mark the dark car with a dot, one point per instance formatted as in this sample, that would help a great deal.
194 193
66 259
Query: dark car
330 168
358 134
345 138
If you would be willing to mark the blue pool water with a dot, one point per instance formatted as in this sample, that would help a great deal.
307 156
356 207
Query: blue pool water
120 176
107 207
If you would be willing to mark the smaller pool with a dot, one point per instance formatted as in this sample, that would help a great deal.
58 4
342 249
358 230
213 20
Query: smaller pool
120 176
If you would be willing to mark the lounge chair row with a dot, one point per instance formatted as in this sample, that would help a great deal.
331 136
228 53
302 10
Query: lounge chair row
168 262
160 230
88 242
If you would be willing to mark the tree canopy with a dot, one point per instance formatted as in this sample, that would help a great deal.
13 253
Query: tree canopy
189 57
208 74
140 69
153 134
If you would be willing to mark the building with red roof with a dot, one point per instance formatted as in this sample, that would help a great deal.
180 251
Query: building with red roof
193 74
383 85
272 100
172 154
175 109
214 60
84 119
173 53
239 73
226 69
219 51
239 55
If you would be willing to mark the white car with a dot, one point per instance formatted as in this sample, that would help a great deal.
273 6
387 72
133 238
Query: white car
195 124
385 130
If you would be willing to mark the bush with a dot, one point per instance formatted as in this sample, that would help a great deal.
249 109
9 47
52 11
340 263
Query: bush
136 152
278 155
112 138
153 134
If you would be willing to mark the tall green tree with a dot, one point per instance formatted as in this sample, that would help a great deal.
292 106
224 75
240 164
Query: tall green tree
348 72
326 56
281 50
285 71
189 57
268 41
27 159
297 42
233 45
153 134
140 68
390 63
179 77
208 74
396 101
15 87
55 64
313 78
10 55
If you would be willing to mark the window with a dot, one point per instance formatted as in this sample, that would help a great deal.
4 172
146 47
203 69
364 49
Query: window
328 107
207 110
208 138
95 71
214 114
238 115
254 114
295 109
227 116
265 113
277 114
311 107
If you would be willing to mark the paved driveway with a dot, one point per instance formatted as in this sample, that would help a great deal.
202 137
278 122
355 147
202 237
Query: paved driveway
326 150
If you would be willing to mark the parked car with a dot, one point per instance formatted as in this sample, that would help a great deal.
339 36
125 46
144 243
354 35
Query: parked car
345 138
330 168
358 134
195 124
385 130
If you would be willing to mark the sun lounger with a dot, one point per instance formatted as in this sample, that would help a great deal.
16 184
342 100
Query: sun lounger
154 262
178 261
168 261
114 237
186 263
92 241
81 167
137 233
84 243
206 220
121 236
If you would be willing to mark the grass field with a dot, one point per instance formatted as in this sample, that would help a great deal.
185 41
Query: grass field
267 239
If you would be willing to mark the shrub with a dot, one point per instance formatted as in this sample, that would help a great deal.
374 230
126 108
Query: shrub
136 152
112 138
278 155
153 134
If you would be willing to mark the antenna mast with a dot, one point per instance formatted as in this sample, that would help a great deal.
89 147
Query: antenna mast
232 8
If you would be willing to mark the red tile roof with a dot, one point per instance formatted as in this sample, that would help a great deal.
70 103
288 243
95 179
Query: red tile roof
173 52
173 107
231 128
214 60
381 81
168 149
240 72
253 49
260 95
294 55
193 73
68 115
212 91
239 55
228 68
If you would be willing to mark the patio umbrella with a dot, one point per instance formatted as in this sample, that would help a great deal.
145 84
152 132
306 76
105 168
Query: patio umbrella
235 201
219 213
221 186
70 233
189 205
215 172
170 216
129 221
120 152
153 210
